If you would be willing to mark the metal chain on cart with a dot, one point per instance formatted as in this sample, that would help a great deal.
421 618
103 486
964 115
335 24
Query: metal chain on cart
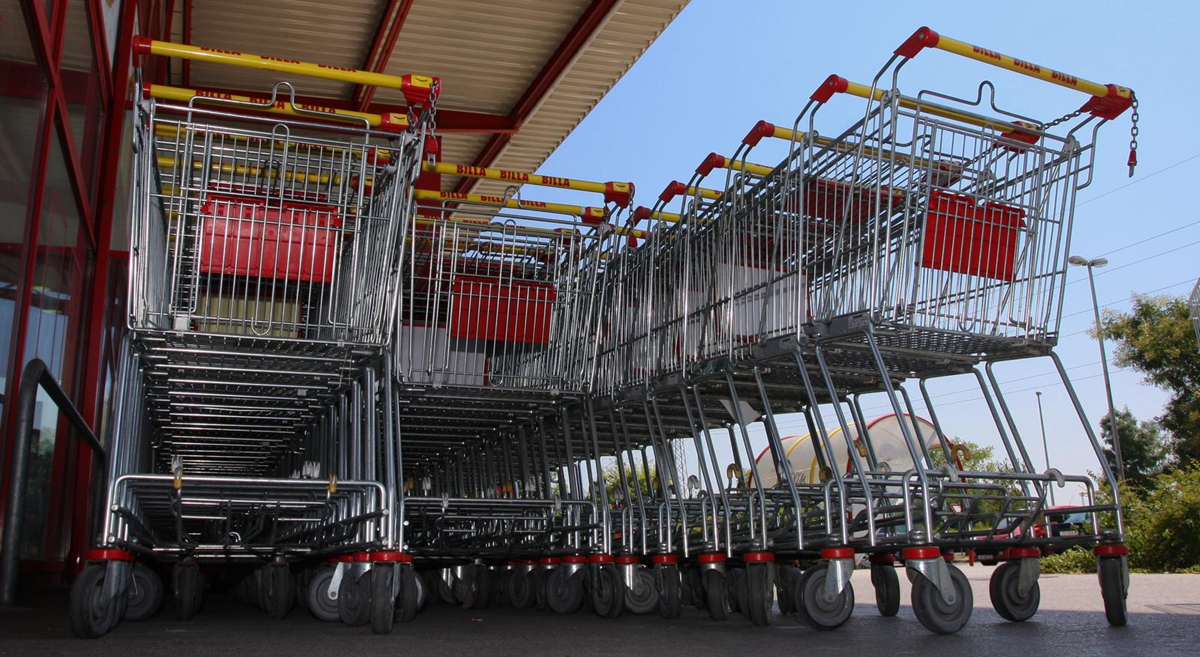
1133 136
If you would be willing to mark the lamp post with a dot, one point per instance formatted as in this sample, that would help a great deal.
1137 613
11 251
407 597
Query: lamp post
1112 413
1045 447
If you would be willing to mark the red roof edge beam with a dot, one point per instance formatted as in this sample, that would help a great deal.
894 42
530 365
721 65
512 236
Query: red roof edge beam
581 34
382 46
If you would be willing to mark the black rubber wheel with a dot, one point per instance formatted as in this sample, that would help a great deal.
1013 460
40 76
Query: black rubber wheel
1112 589
785 585
354 598
408 602
482 579
91 615
934 613
145 594
669 590
539 577
642 597
607 591
1006 598
446 589
320 602
736 577
759 589
189 590
717 595
887 589
498 585
383 597
300 584
694 586
520 589
564 593
422 589
278 592
815 608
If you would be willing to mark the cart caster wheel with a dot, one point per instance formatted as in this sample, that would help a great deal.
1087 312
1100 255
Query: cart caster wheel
520 589
717 595
382 602
607 591
815 607
469 590
277 589
932 610
321 602
145 594
498 585
422 589
1112 589
446 590
410 598
736 578
694 588
759 585
539 579
670 590
91 614
189 589
785 588
564 593
1006 597
482 580
887 589
300 585
354 599
642 597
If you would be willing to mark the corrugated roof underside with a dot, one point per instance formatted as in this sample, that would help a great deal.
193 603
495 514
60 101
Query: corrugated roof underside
487 53
616 47
338 34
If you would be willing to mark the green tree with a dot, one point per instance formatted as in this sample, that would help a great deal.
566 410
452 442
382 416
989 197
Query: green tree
1157 339
1143 447
634 477
1162 524
976 458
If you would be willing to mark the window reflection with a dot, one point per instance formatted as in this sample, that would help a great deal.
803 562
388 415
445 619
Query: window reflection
52 334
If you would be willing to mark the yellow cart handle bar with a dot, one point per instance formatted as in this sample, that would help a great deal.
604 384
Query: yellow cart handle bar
586 213
1108 101
390 122
676 188
618 193
591 215
715 161
417 89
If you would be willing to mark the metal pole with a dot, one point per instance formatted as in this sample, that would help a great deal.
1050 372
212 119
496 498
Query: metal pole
1045 446
1112 412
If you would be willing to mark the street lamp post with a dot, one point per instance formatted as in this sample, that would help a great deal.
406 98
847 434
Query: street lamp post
1112 412
1045 447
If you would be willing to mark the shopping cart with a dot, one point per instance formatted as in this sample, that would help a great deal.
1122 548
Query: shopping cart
255 417
493 357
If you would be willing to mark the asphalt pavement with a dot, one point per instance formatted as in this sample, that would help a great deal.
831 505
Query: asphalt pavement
1164 620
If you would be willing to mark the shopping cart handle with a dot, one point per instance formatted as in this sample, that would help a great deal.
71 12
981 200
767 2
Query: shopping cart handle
417 89
1108 100
767 129
834 84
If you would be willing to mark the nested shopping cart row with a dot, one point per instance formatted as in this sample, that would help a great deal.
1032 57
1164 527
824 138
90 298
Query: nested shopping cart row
347 388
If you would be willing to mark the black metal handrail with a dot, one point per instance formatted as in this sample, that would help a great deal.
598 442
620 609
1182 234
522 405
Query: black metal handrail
36 374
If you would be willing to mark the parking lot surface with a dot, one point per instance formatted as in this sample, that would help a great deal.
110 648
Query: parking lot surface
1164 620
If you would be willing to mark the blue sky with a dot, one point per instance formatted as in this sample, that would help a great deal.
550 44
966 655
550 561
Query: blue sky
722 66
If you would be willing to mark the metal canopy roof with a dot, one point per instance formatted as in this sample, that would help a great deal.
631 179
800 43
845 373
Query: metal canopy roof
517 75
